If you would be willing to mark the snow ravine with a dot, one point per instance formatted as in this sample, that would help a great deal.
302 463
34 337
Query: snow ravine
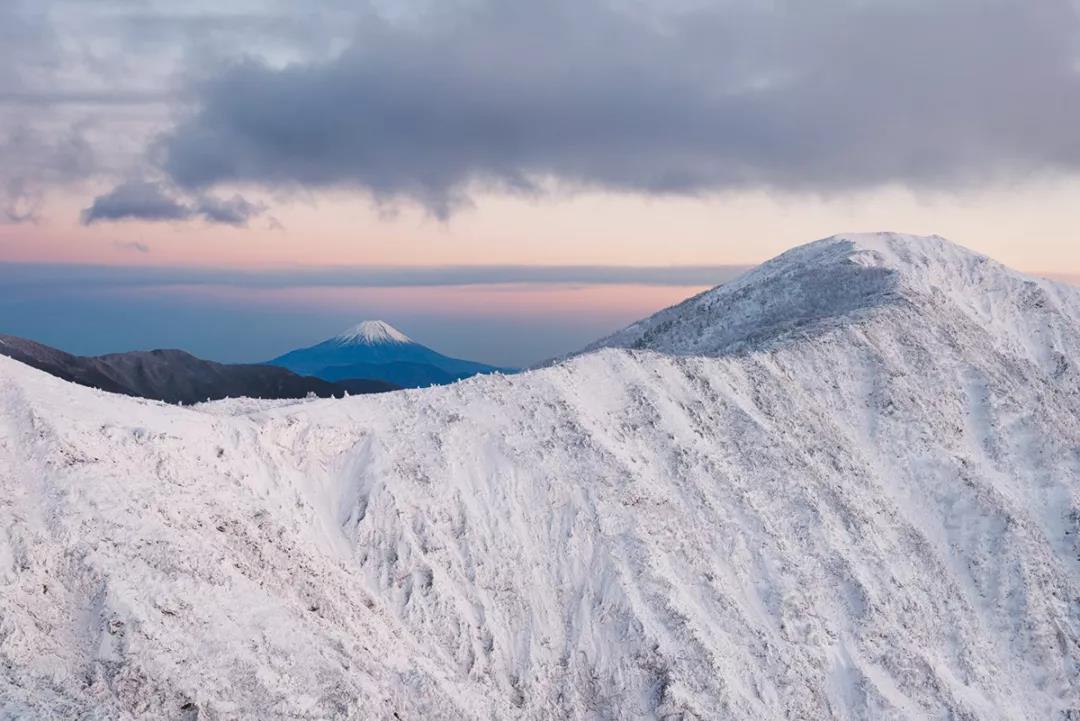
844 486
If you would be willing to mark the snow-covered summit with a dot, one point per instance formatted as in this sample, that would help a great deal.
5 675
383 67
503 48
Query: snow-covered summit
846 280
371 332
915 263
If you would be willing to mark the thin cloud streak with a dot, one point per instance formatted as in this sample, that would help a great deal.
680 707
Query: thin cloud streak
134 245
16 275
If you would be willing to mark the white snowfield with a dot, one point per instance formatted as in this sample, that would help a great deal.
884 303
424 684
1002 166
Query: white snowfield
372 332
844 486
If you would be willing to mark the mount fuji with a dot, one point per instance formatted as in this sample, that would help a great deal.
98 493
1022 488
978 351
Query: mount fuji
843 486
375 349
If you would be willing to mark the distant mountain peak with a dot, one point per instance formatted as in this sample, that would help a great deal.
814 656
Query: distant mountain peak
372 332
375 349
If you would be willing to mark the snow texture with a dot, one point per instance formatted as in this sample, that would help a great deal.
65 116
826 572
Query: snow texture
372 332
844 486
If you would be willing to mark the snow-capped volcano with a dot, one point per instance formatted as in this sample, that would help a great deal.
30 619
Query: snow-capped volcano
372 332
375 349
844 486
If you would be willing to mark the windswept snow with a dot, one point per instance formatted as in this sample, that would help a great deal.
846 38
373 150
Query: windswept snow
847 488
840 280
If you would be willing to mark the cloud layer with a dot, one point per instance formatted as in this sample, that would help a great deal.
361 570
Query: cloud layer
433 102
524 96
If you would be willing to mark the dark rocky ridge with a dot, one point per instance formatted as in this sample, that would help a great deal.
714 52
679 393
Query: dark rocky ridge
175 376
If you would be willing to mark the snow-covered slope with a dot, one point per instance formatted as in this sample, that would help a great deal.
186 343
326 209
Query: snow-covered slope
372 332
846 278
871 513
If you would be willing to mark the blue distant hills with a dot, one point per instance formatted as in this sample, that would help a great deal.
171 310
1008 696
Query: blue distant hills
376 350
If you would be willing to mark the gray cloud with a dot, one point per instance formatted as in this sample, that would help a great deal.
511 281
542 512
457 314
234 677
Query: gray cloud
431 102
85 86
21 203
65 115
136 199
36 157
231 211
152 201
521 96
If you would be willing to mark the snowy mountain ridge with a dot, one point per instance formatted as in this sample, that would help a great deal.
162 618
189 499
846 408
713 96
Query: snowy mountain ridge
870 512
845 278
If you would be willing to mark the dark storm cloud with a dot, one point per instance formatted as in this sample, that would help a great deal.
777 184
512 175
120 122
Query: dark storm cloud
525 96
152 201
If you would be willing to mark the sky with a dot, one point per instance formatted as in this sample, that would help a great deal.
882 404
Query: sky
504 181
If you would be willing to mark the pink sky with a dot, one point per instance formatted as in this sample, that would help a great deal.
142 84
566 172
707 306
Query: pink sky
1031 228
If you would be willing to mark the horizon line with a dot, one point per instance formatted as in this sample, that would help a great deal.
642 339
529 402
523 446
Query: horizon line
23 273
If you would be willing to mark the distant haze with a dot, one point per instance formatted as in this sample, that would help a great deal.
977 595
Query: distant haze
497 318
